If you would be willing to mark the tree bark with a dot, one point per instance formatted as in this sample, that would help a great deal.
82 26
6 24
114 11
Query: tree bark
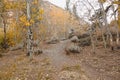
116 25
92 40
29 33
103 37
117 41
5 37
106 25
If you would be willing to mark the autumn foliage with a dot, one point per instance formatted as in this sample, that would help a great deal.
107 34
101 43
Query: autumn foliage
14 15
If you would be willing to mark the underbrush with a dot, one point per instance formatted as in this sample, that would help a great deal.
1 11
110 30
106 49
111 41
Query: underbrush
8 72
72 68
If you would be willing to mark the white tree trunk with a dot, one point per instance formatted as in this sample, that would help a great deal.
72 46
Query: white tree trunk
92 40
106 25
116 25
29 33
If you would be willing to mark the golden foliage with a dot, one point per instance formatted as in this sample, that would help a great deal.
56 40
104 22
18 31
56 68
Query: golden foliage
26 22
35 2
23 18
119 23
116 2
102 1
41 11
10 40
32 21
16 28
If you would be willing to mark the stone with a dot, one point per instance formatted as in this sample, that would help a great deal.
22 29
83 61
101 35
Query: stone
85 35
37 51
84 42
74 39
53 40
71 33
17 47
73 48
69 75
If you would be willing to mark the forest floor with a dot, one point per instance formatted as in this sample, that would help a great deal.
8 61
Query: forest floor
54 64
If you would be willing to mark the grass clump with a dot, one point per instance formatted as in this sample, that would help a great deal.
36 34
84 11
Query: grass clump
72 68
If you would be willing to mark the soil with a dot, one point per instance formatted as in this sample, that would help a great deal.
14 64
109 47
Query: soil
54 64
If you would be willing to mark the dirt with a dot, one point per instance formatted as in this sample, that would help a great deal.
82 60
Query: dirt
54 64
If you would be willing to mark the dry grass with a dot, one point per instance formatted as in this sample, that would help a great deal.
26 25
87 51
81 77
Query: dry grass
21 68
72 68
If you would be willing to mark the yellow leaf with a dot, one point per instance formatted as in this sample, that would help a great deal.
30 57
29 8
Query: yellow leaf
23 18
35 2
102 1
41 11
31 21
27 23
40 18
33 9
116 2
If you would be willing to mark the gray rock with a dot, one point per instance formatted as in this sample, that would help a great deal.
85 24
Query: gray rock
72 49
71 33
53 40
37 51
63 39
69 75
84 42
17 47
74 39
85 35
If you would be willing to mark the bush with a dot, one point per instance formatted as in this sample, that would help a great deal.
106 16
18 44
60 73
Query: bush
1 40
2 43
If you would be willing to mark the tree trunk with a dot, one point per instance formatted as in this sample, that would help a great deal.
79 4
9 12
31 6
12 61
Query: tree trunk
5 38
29 33
106 25
29 42
119 13
92 41
103 37
116 25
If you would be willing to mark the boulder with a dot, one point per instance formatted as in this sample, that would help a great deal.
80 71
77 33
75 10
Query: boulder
74 39
71 33
70 36
37 51
63 39
17 47
85 42
72 49
69 75
85 35
53 40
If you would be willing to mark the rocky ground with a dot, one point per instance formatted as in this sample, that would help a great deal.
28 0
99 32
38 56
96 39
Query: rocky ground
54 64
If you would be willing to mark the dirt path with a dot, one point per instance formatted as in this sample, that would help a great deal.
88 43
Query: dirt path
94 65
103 65
57 54
65 65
